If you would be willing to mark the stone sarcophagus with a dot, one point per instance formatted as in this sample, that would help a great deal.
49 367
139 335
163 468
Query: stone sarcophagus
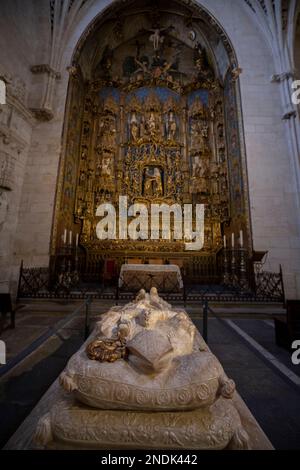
144 379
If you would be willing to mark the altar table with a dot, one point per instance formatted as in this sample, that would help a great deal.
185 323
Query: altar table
165 277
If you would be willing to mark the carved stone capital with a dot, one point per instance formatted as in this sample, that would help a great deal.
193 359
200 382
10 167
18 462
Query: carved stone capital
288 115
42 114
74 71
280 77
236 72
45 69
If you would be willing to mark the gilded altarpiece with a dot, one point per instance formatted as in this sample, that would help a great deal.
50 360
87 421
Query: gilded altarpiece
153 145
152 128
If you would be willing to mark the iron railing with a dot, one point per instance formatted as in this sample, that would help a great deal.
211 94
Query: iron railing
263 286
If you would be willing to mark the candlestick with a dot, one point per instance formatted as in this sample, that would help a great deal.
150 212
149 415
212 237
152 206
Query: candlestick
241 238
232 240
224 241
233 277
225 273
70 237
77 238
243 271
65 236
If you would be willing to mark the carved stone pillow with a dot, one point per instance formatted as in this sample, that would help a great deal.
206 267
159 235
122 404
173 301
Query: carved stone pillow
191 381
68 426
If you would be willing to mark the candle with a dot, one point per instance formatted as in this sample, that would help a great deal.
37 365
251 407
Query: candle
241 238
65 236
77 238
232 240
70 237
224 241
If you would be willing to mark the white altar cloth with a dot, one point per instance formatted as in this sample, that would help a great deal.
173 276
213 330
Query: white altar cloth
162 276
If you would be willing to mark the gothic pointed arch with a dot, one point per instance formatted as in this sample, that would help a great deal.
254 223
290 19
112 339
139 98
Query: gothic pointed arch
154 113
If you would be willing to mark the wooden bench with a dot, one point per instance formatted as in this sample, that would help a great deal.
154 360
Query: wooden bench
287 328
5 308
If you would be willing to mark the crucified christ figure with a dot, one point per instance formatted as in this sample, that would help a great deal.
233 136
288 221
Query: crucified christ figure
156 38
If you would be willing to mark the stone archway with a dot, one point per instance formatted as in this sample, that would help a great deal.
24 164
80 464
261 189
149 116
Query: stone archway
147 68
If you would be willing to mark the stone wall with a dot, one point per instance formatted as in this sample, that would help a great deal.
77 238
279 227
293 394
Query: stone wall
17 45
275 218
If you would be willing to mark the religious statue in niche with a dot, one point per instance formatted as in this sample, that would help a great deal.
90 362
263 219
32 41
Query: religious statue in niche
215 185
171 127
199 135
105 65
197 168
203 69
106 168
107 132
152 182
199 176
102 129
134 128
152 125
196 139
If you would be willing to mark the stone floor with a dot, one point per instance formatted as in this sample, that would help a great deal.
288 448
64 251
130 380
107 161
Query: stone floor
241 336
272 397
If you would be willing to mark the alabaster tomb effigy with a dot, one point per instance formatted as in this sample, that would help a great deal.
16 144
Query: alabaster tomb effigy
145 379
